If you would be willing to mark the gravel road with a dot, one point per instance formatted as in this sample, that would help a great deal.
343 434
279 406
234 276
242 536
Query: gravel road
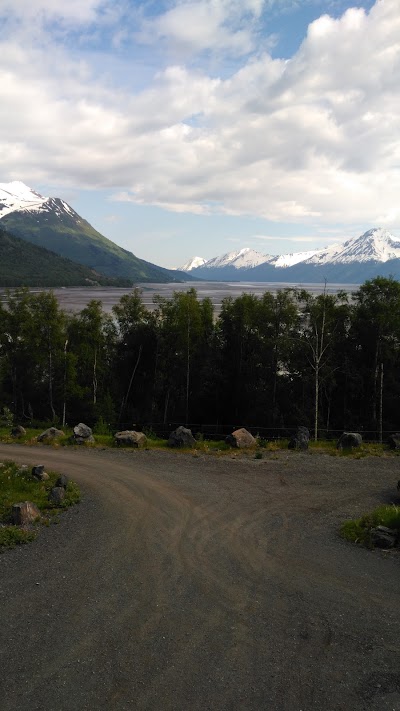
187 583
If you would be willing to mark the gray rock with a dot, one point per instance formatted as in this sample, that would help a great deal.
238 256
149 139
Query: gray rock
349 440
241 439
130 438
82 434
57 495
383 537
181 437
300 439
62 481
39 473
24 512
18 431
50 434
394 440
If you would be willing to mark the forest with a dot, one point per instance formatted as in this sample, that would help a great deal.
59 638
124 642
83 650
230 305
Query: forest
329 362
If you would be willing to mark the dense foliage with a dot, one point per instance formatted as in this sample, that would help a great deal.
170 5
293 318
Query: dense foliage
270 362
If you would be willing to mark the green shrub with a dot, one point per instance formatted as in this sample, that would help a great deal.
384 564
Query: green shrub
359 530
11 536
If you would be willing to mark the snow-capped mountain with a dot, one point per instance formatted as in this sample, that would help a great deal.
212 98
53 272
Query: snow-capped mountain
17 196
193 263
289 260
242 259
355 260
376 244
51 223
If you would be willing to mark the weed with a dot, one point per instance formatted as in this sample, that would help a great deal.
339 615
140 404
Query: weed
17 484
359 530
11 536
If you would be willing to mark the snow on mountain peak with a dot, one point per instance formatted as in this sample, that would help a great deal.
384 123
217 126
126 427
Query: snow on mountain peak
377 245
244 258
193 263
18 196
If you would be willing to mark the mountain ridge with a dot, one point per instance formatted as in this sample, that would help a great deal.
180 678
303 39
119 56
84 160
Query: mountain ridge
376 252
53 224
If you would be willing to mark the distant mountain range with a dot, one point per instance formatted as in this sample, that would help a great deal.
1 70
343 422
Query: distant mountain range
51 223
375 253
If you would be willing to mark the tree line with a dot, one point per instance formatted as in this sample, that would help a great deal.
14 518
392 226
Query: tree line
329 362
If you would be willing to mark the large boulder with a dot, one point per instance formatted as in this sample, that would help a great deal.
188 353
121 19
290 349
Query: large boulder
57 495
394 440
39 473
349 440
18 431
82 434
50 434
241 438
62 481
24 512
300 439
130 438
181 437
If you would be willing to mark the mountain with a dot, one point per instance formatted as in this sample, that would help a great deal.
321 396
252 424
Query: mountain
53 224
375 253
25 264
193 263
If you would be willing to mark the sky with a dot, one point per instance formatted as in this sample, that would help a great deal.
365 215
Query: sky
198 127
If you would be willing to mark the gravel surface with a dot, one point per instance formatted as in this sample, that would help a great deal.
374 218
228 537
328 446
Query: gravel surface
188 582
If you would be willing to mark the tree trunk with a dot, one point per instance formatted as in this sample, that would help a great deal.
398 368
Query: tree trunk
381 404
95 377
316 402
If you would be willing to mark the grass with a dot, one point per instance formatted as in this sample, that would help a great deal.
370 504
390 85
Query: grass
17 484
11 536
359 530
218 447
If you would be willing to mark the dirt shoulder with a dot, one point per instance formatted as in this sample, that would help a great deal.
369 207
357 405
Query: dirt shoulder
197 582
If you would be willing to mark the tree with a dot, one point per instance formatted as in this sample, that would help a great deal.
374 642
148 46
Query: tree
376 334
321 316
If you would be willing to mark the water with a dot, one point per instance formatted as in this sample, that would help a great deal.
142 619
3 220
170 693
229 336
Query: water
76 298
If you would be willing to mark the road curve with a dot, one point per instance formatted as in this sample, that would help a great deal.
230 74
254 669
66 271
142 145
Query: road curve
187 583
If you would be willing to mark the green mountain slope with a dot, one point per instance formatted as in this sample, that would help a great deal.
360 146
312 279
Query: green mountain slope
56 226
25 264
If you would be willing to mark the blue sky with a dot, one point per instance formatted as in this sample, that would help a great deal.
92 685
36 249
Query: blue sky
198 127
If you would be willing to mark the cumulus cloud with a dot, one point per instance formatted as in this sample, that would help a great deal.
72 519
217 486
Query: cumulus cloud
313 139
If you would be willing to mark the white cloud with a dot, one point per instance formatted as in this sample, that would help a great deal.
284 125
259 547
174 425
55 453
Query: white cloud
314 139
197 25
66 11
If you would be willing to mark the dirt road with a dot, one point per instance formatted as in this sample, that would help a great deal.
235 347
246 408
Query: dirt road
187 583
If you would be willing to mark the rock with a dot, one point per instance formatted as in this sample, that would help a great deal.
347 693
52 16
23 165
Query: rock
50 434
181 437
394 440
39 473
24 512
82 434
18 431
349 440
130 438
241 438
62 481
300 439
57 495
383 537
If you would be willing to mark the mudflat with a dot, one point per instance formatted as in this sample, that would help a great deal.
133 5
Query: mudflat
188 582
